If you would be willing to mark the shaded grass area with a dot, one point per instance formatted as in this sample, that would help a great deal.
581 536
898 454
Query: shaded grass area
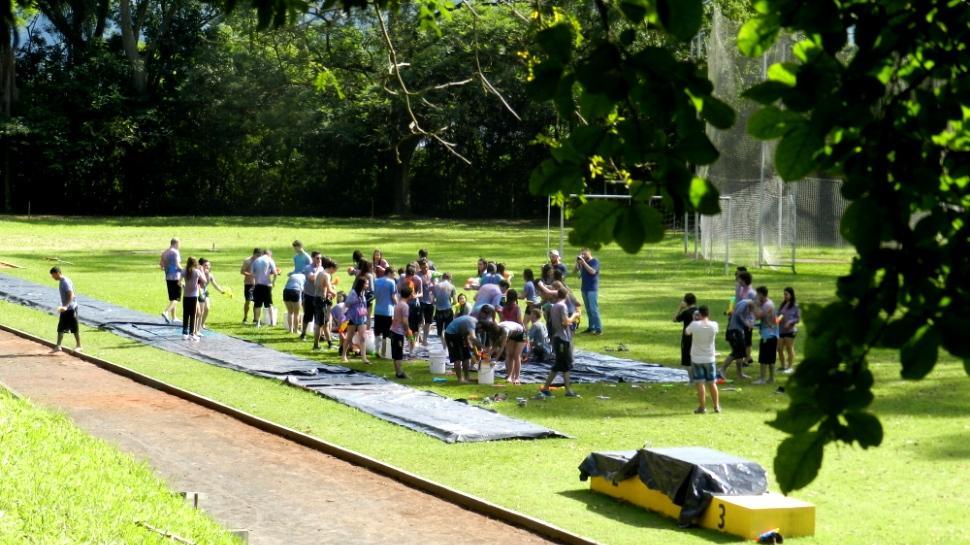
59 485
859 493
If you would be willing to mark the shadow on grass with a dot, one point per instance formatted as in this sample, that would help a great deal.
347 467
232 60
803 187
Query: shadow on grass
954 446
637 517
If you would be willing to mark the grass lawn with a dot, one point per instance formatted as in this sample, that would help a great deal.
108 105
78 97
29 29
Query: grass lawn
906 491
59 485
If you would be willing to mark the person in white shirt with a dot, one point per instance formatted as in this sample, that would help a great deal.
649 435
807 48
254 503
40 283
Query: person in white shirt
703 369
264 271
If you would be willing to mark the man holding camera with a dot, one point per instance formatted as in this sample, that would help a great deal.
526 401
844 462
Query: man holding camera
589 273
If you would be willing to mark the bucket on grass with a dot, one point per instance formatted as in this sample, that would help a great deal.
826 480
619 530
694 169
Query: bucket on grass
439 361
486 374
369 343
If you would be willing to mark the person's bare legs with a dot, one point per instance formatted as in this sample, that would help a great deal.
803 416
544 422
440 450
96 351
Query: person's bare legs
715 397
351 331
701 397
170 310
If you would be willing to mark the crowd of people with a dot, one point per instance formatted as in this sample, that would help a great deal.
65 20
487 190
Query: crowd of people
398 306
749 307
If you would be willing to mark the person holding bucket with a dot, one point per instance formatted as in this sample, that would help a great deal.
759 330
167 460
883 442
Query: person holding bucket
461 338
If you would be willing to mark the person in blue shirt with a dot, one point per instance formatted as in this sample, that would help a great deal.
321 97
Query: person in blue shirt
67 312
300 258
740 321
589 274
385 297
461 338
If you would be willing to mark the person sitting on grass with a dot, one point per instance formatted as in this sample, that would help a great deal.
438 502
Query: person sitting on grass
67 312
703 367
400 330
741 320
539 348
561 322
461 338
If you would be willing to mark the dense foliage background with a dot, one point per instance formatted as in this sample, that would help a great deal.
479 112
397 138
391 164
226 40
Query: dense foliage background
202 112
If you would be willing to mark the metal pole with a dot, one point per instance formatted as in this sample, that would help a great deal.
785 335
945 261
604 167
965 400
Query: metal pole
794 228
727 239
685 233
697 233
562 225
548 223
761 205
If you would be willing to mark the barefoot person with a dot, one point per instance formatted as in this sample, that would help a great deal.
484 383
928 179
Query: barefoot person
264 273
205 302
357 315
515 342
789 315
764 309
324 303
703 368
193 280
560 323
461 338
246 270
171 263
310 292
400 330
293 299
742 319
67 312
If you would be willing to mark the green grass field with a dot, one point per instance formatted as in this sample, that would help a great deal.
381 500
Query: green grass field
59 485
906 491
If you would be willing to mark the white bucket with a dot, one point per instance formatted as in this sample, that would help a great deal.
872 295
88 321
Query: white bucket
369 344
438 363
386 348
486 374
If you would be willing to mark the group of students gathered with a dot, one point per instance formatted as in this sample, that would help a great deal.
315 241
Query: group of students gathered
400 305
777 328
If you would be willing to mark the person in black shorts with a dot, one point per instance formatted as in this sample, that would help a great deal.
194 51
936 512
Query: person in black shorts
741 319
67 312
685 315
246 270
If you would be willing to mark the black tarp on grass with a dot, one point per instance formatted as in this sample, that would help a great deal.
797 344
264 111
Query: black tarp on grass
419 410
689 476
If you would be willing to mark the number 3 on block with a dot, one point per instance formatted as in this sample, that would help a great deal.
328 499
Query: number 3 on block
720 520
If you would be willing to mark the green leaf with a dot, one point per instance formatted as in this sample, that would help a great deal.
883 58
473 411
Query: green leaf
783 73
771 122
545 80
794 157
919 354
797 418
717 113
682 18
757 35
798 460
634 10
766 92
704 196
638 224
865 427
552 177
594 222
557 42
966 366
862 225
696 148
594 105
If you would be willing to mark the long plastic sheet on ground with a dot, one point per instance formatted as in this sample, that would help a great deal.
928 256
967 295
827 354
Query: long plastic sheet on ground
589 367
419 410
689 476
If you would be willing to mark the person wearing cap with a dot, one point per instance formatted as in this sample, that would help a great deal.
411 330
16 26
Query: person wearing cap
556 261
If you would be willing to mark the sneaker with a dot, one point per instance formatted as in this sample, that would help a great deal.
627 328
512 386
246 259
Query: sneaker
185 337
166 318
401 375
788 371
194 338
55 350
78 349
597 333
700 410
572 394
742 375
546 394
717 409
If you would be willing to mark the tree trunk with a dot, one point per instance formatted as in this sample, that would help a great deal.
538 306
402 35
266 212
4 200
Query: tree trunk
401 174
8 83
129 40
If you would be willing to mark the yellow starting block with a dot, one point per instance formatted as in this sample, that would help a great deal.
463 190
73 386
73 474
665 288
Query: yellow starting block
649 477
745 516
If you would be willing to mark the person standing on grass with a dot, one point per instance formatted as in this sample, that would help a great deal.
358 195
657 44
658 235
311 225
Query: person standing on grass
743 291
514 344
703 369
789 316
264 273
356 314
379 263
589 274
510 307
400 330
423 254
529 292
300 257
246 270
764 310
67 312
461 338
205 302
193 280
413 281
326 293
560 323
310 292
293 299
385 299
685 315
491 295
444 299
555 261
427 299
171 263
742 319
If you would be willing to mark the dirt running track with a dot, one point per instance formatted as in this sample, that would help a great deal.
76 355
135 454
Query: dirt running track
282 492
